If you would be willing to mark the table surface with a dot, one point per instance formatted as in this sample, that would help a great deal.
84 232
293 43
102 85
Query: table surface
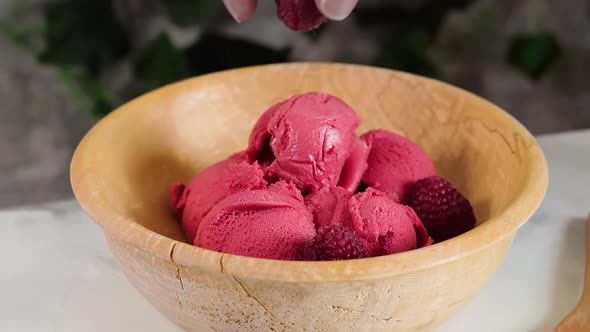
58 275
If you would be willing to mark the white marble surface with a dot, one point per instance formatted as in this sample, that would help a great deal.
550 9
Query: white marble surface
57 273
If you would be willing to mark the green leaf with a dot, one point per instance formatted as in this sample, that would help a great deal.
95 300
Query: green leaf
84 33
214 52
86 91
533 54
160 63
188 12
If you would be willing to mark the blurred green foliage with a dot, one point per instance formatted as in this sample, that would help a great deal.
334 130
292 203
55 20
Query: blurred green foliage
87 91
408 33
82 38
84 33
85 38
185 13
214 52
160 63
18 35
533 54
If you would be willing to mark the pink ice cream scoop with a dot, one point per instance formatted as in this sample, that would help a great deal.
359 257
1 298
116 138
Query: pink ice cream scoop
211 185
385 227
394 163
264 223
297 180
329 206
287 188
307 139
355 166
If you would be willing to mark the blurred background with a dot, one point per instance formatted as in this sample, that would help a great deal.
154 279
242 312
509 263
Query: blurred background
66 63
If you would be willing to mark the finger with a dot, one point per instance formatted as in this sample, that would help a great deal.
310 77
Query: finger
336 10
241 10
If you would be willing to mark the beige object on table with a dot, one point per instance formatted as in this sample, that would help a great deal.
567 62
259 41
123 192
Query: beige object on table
122 169
579 319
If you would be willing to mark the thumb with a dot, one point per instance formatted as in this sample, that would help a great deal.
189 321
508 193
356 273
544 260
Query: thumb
336 10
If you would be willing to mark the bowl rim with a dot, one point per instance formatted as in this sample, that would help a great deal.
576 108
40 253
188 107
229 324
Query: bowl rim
122 228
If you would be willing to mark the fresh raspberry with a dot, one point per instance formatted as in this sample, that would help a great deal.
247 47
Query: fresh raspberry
299 15
310 251
333 242
442 209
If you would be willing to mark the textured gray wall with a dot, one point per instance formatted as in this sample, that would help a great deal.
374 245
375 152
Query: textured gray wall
39 128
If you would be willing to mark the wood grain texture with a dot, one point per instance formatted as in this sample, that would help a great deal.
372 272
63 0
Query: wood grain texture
579 319
122 168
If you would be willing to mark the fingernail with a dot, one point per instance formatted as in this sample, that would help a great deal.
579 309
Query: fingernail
240 10
336 10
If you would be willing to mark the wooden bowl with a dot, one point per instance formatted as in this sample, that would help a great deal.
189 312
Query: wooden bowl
122 168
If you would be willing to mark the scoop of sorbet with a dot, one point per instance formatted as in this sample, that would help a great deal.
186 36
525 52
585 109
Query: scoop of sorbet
394 164
329 206
385 227
264 223
307 139
214 183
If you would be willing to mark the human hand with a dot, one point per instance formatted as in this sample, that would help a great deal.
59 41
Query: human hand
304 11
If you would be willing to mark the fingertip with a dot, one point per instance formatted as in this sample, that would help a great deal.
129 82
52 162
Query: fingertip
336 10
241 10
